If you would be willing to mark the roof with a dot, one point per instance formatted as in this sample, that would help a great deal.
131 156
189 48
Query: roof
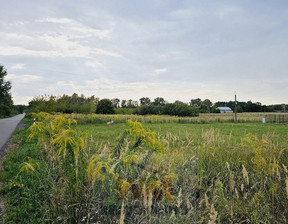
224 108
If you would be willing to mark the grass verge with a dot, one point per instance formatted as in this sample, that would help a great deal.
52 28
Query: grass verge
24 193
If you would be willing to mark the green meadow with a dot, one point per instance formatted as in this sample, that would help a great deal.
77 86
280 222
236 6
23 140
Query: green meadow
146 172
109 133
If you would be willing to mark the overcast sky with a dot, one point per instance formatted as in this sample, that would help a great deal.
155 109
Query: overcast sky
127 49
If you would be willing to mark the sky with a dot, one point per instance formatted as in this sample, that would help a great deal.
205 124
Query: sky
128 49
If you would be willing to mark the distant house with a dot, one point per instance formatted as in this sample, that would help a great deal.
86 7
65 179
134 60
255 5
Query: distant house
224 110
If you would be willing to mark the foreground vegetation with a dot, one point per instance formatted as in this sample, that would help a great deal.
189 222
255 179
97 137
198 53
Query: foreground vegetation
159 171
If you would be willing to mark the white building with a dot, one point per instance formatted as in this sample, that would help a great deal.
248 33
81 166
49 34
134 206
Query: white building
225 110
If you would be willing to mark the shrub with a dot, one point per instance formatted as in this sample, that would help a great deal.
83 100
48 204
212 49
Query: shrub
105 106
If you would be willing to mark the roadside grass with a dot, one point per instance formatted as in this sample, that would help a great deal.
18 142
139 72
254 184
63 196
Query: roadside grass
207 173
24 192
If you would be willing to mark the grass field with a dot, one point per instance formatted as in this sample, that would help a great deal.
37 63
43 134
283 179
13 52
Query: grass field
155 172
109 133
201 119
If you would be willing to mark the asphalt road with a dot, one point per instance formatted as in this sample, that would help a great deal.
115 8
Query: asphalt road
7 127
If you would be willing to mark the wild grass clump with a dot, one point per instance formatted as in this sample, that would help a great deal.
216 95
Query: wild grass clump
239 183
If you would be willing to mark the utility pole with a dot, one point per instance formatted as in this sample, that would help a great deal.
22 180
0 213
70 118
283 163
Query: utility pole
235 109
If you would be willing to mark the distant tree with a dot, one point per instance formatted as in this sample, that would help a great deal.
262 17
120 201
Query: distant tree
241 106
37 104
74 98
123 103
115 102
195 102
206 106
220 104
105 106
159 101
239 109
6 103
129 103
277 107
132 103
253 107
145 101
64 104
94 100
267 108
20 108
207 102
180 109
135 103
215 110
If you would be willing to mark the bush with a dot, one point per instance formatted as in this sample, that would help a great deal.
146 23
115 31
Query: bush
5 110
173 109
180 109
105 106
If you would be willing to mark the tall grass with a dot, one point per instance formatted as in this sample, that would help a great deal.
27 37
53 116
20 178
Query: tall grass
141 176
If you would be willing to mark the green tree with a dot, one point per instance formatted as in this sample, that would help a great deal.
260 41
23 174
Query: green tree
180 109
129 103
195 102
105 106
145 101
132 103
215 110
64 104
123 103
115 102
159 101
239 109
206 106
6 103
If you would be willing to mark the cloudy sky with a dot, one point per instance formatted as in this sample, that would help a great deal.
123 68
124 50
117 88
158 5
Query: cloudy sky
176 49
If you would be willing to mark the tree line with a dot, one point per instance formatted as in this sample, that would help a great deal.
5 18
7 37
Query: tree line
86 105
81 104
